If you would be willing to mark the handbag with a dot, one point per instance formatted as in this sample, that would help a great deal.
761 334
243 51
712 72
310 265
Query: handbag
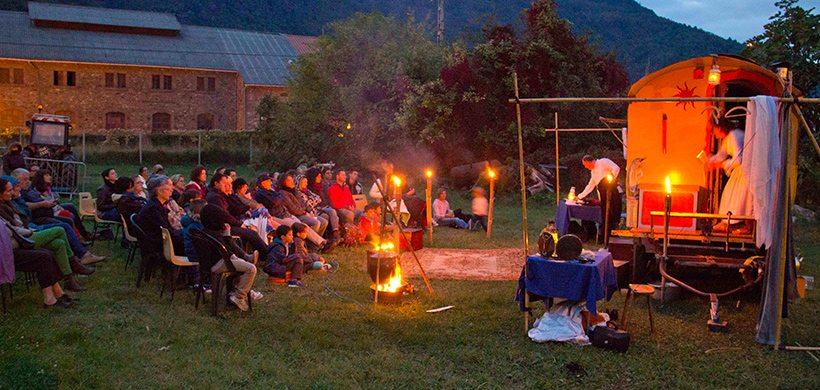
610 338
24 242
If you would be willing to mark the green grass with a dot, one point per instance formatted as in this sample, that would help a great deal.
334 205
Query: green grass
121 337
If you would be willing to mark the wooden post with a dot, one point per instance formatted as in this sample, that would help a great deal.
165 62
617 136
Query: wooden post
492 193
397 196
557 169
523 201
430 204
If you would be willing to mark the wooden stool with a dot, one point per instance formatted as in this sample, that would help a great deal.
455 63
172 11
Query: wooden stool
638 289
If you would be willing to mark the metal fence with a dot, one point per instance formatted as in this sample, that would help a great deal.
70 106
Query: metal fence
66 175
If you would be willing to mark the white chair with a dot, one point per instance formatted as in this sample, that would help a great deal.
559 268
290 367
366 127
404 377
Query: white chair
361 201
132 243
117 226
177 262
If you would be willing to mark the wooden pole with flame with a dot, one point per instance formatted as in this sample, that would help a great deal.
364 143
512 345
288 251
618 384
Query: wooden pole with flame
667 209
429 174
492 193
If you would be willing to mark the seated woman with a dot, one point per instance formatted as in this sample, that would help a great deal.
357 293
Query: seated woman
443 216
124 199
295 205
105 205
198 181
40 190
313 191
154 216
140 187
41 262
179 187
53 239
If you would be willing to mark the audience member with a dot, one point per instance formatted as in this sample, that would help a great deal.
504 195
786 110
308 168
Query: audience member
443 215
198 180
43 204
342 200
315 187
140 187
369 223
13 158
219 195
124 199
313 201
39 261
480 207
295 205
310 261
353 183
281 253
192 221
105 205
188 196
154 216
179 187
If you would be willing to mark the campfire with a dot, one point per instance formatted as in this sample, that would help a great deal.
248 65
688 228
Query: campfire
385 272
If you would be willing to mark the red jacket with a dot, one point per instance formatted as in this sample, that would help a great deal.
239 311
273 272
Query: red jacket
340 196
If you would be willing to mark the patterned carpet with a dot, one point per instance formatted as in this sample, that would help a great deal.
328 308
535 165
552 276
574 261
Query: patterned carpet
475 264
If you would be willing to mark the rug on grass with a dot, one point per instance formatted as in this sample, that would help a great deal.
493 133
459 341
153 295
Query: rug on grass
475 264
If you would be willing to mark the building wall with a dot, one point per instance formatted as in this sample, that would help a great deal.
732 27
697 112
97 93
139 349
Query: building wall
254 95
89 100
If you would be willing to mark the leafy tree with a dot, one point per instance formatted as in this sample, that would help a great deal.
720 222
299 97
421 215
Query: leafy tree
793 35
464 115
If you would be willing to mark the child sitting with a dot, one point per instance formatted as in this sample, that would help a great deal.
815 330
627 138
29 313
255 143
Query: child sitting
192 221
311 261
281 257
369 223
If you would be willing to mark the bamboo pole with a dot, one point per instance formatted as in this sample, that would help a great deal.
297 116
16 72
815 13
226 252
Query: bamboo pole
557 166
430 204
523 203
492 195
639 100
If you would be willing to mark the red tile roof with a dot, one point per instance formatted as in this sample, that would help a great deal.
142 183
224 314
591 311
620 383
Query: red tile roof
303 44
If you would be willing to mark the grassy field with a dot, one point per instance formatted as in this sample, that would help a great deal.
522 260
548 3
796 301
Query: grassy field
121 337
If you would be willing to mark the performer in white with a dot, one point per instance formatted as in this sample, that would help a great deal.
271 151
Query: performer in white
735 197
607 189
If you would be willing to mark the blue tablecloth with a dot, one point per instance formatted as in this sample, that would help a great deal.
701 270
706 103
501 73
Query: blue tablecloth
569 280
567 211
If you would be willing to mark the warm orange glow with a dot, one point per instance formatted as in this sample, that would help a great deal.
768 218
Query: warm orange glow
668 186
491 173
700 154
429 173
570 196
609 178
384 247
396 180
348 126
394 283
714 75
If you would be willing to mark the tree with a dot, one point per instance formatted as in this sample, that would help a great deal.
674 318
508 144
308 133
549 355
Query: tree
793 35
466 109
347 94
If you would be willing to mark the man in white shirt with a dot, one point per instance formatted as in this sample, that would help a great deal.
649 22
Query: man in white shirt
600 168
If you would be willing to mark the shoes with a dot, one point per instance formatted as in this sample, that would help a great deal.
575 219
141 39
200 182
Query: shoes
89 258
242 304
71 284
253 258
65 298
330 245
58 303
91 236
296 283
256 295
78 268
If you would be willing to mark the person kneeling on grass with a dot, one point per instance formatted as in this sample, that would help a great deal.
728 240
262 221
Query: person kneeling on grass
281 254
310 261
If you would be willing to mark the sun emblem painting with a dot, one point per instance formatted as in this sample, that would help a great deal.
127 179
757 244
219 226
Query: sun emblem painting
685 92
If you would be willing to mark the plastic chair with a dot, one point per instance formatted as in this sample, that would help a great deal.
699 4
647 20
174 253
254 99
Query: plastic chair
209 251
104 222
177 262
361 201
148 256
87 207
132 243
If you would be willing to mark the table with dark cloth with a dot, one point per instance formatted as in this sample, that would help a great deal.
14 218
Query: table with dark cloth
566 212
548 278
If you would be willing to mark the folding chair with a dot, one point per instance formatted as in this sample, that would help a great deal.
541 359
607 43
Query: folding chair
132 243
177 262
209 251
149 256
117 226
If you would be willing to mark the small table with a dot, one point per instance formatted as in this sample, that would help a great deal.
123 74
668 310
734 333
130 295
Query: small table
566 212
548 278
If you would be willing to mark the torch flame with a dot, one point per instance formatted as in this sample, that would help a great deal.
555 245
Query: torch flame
668 186
348 126
429 173
384 247
609 178
491 173
397 180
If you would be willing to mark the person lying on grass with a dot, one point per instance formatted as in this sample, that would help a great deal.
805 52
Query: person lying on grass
310 261
282 257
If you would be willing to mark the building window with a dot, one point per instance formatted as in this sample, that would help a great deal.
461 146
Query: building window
115 80
166 82
211 84
155 81
114 120
58 77
71 78
109 80
200 83
120 80
12 118
18 75
160 122
204 122
5 76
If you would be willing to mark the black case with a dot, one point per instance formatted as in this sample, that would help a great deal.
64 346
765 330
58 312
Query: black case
609 338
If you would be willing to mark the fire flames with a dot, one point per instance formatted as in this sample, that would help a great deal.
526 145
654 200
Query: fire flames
394 283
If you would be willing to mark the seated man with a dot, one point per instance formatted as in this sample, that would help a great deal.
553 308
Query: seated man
442 214
219 195
154 216
214 222
342 200
105 205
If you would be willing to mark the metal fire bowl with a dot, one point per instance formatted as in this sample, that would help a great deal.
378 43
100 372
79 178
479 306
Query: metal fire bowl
390 298
385 267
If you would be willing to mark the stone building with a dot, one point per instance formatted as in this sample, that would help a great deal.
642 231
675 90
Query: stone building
120 69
